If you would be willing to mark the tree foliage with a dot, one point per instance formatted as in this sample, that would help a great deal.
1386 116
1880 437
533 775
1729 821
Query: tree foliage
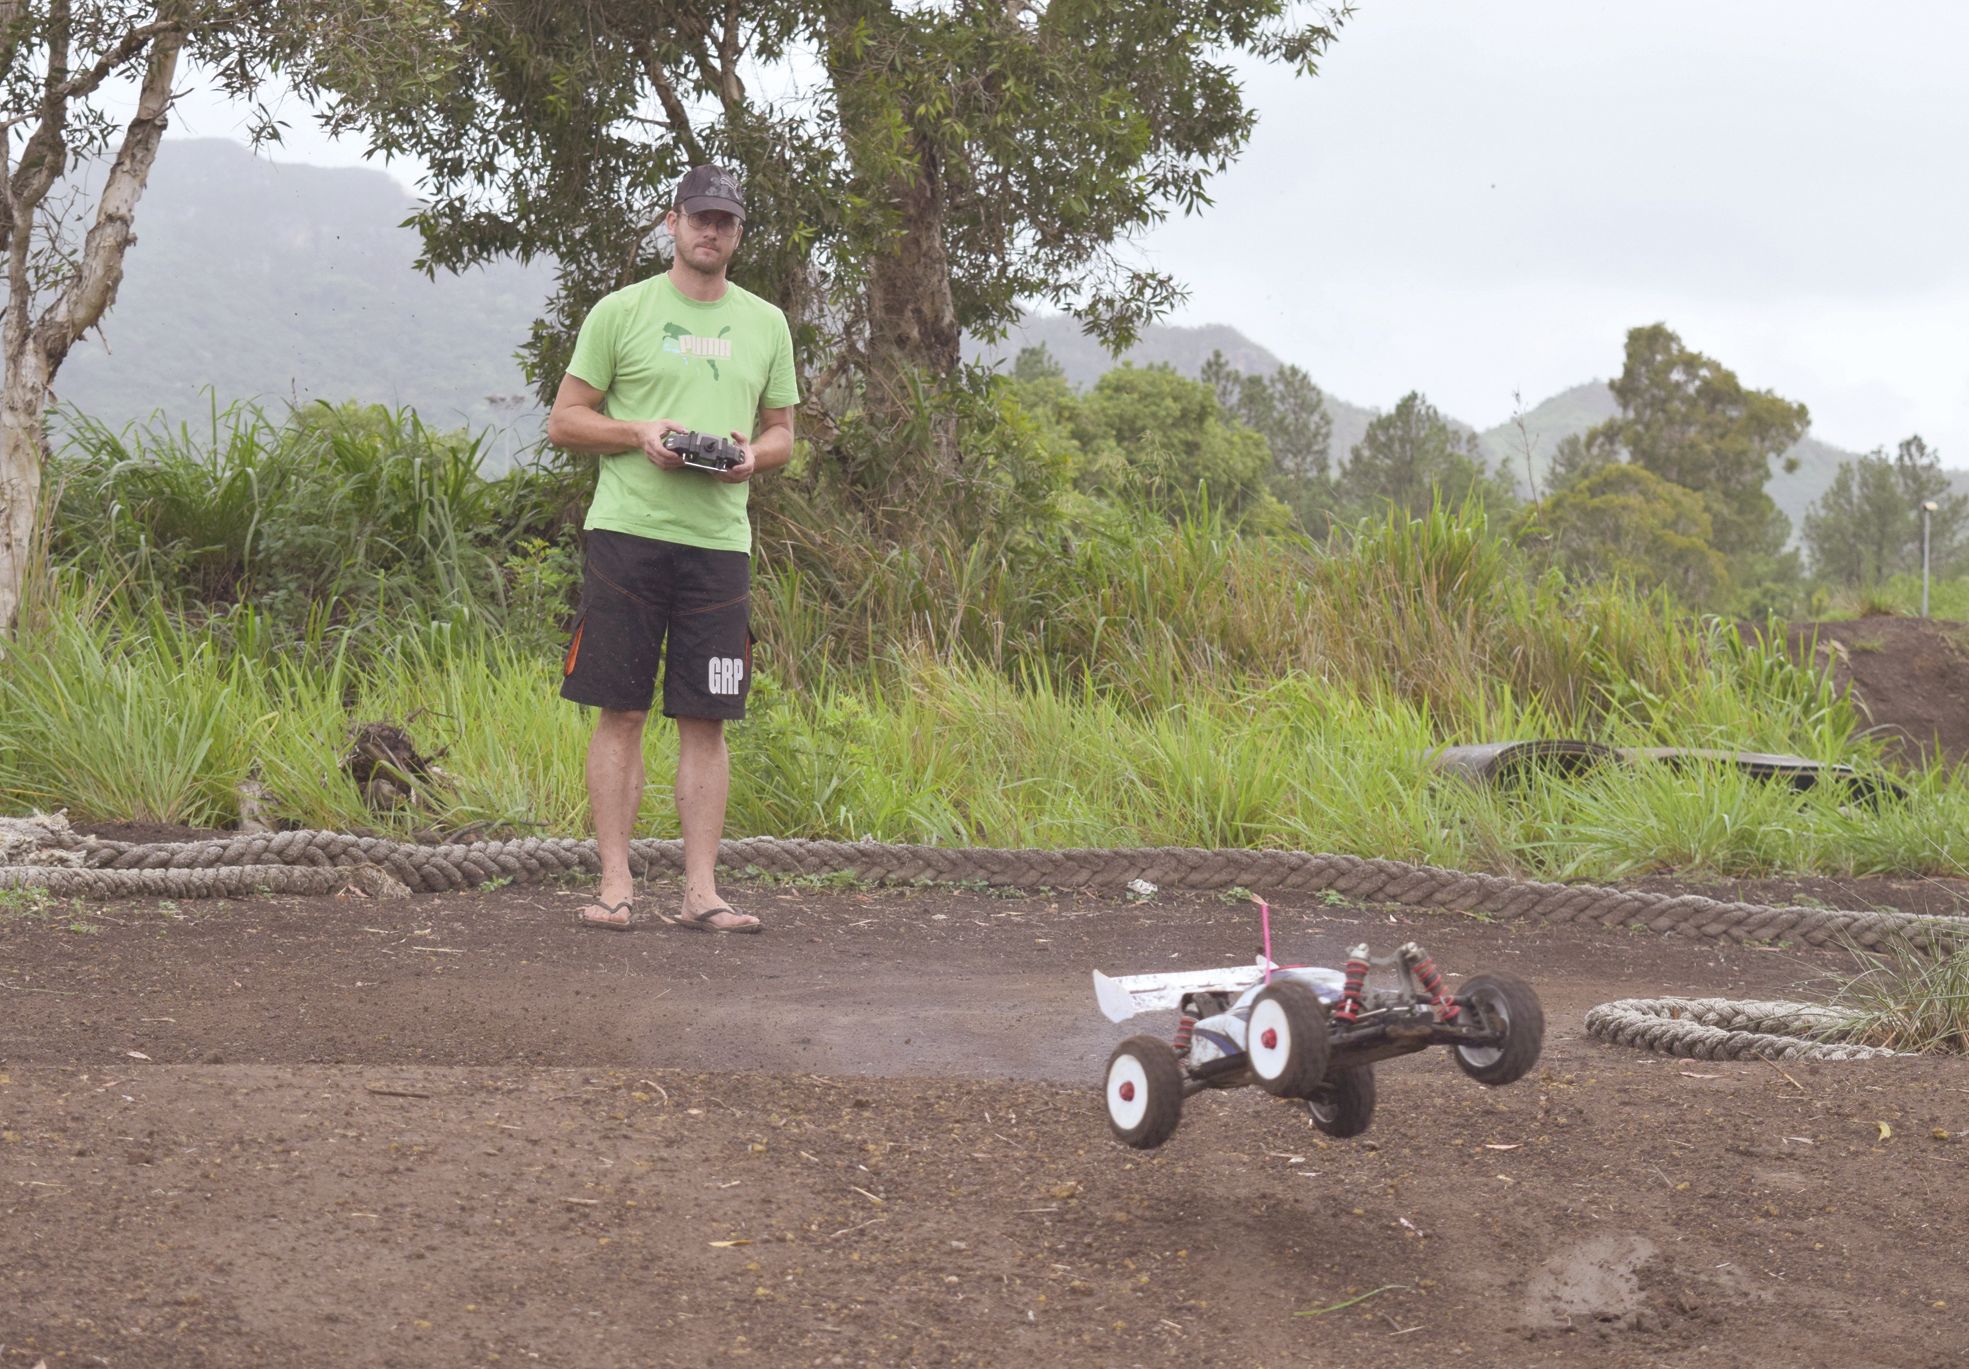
1866 527
1285 407
1289 412
1411 457
1144 434
1625 522
1037 363
1573 460
1688 419
915 170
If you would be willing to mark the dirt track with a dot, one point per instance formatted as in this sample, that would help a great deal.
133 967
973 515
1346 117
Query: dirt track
453 1130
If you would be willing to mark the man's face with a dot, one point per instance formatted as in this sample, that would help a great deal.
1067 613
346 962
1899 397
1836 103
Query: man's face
705 240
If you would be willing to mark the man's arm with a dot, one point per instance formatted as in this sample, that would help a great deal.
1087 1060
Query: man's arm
578 424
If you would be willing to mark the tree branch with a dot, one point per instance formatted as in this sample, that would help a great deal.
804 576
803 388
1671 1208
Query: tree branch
129 45
100 270
730 89
40 164
674 112
10 40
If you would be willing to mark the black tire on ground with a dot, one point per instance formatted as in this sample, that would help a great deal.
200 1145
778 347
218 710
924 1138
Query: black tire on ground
1505 1004
1144 1092
1344 1105
1287 1040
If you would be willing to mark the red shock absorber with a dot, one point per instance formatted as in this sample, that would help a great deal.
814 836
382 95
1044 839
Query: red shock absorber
1350 997
1423 967
1184 1026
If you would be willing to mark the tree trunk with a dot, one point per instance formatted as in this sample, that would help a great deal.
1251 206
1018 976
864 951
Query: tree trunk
909 315
912 319
22 447
34 353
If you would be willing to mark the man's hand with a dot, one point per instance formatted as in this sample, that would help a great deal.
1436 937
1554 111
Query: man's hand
651 435
748 463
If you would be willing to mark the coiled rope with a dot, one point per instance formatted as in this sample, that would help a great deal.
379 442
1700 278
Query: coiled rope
44 853
1728 1029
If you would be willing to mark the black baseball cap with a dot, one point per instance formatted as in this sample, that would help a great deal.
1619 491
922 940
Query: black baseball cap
711 187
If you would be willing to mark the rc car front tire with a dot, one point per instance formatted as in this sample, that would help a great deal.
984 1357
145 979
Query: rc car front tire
1145 1092
1344 1105
1287 1040
1506 1005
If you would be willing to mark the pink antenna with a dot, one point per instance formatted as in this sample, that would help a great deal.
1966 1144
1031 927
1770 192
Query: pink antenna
1265 922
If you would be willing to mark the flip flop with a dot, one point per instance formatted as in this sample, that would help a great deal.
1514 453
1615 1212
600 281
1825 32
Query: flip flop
604 924
701 922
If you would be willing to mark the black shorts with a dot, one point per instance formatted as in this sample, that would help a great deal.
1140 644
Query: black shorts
635 592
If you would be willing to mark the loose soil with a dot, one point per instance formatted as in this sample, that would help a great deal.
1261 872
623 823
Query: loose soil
1910 677
457 1130
454 1129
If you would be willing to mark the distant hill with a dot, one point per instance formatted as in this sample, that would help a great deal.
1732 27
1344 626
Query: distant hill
281 281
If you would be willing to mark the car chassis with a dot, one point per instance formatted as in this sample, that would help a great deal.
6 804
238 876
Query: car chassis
1307 1034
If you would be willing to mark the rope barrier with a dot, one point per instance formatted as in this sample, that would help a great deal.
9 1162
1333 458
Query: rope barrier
44 853
67 863
1728 1029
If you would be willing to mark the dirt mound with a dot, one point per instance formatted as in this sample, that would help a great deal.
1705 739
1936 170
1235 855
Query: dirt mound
1910 675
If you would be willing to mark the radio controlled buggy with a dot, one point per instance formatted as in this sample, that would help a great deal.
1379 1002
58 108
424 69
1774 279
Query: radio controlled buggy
1307 1034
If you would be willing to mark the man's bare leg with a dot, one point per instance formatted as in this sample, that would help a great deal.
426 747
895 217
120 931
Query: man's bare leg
703 784
615 792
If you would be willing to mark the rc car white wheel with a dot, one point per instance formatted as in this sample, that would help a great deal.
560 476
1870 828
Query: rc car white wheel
1506 1005
1145 1092
1286 1040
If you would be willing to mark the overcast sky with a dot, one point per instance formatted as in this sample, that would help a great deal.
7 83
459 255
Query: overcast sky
1472 199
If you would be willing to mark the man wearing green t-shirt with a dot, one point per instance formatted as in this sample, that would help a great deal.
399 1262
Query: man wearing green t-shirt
669 545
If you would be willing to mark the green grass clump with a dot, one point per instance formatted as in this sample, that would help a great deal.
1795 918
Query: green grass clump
1910 998
336 518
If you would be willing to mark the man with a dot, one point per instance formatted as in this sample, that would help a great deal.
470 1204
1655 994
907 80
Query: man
669 546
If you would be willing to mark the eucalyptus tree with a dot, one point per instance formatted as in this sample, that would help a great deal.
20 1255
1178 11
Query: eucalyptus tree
1687 418
85 95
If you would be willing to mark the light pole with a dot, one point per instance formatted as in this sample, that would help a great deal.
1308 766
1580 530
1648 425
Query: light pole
1928 506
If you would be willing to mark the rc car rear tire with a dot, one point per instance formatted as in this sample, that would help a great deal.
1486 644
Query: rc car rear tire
1287 1040
1507 1005
1144 1092
1344 1105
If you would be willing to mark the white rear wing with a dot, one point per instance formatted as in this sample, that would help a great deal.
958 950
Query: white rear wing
1125 996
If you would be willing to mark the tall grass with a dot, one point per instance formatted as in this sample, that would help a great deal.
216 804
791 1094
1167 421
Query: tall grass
1433 612
341 518
1900 595
118 714
226 605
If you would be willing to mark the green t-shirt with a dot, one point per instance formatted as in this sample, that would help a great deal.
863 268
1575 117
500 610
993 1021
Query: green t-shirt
656 353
